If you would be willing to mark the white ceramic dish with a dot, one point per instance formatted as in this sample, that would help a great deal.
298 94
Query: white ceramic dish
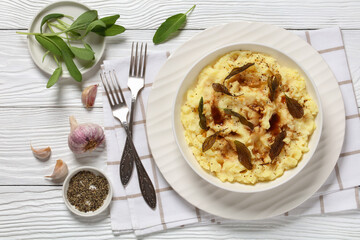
190 80
212 199
37 52
72 208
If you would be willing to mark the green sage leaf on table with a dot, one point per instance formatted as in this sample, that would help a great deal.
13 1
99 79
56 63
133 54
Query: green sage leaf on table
54 77
277 146
48 44
295 109
95 24
238 70
242 119
111 31
202 121
50 17
221 88
84 20
110 20
171 25
83 53
273 84
244 155
68 55
210 140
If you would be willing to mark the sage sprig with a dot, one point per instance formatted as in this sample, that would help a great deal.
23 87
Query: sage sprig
202 118
295 109
244 155
59 43
242 119
171 25
210 140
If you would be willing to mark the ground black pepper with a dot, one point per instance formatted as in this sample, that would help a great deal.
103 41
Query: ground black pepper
87 191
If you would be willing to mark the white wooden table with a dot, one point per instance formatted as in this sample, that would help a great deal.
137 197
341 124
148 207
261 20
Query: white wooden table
31 207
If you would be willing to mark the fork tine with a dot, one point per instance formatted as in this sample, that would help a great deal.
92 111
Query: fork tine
106 89
140 61
136 60
120 91
116 88
131 60
110 89
144 64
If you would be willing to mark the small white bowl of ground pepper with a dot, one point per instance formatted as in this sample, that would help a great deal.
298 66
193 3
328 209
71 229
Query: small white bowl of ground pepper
87 191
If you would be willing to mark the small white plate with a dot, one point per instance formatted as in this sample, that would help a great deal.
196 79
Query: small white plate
37 52
72 208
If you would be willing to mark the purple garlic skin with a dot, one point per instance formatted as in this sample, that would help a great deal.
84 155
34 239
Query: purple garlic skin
84 137
88 95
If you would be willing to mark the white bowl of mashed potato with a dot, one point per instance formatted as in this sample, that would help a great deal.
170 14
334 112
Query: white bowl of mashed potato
247 117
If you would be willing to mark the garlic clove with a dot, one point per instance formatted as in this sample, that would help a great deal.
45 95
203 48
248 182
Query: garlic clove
88 95
41 153
84 137
60 171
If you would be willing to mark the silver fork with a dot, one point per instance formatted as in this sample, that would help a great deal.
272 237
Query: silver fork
121 111
135 83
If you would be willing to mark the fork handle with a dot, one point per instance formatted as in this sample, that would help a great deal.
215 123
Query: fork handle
126 162
146 186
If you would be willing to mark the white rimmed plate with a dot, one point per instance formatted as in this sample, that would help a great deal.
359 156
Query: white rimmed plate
37 52
221 202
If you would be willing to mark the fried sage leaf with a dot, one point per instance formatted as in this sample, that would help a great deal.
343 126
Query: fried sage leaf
244 154
221 88
273 84
210 140
202 121
242 119
277 146
295 109
239 70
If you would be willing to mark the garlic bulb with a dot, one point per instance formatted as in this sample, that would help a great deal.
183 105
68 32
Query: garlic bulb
84 137
88 95
60 171
42 153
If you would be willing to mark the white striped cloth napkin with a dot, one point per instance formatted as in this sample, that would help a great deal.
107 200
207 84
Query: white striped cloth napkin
130 213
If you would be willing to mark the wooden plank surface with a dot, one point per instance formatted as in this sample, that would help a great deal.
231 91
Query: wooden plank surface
22 84
31 207
149 14
38 212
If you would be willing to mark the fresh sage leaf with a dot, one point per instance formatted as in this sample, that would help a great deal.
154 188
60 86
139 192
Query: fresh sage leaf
242 119
68 55
277 146
295 109
210 140
238 70
221 88
171 25
83 53
54 77
111 31
87 46
273 84
84 20
95 24
244 155
49 17
202 121
110 20
62 45
48 44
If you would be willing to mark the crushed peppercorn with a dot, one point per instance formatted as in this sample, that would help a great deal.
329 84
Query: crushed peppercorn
87 191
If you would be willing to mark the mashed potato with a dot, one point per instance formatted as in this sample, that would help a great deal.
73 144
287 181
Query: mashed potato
250 99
